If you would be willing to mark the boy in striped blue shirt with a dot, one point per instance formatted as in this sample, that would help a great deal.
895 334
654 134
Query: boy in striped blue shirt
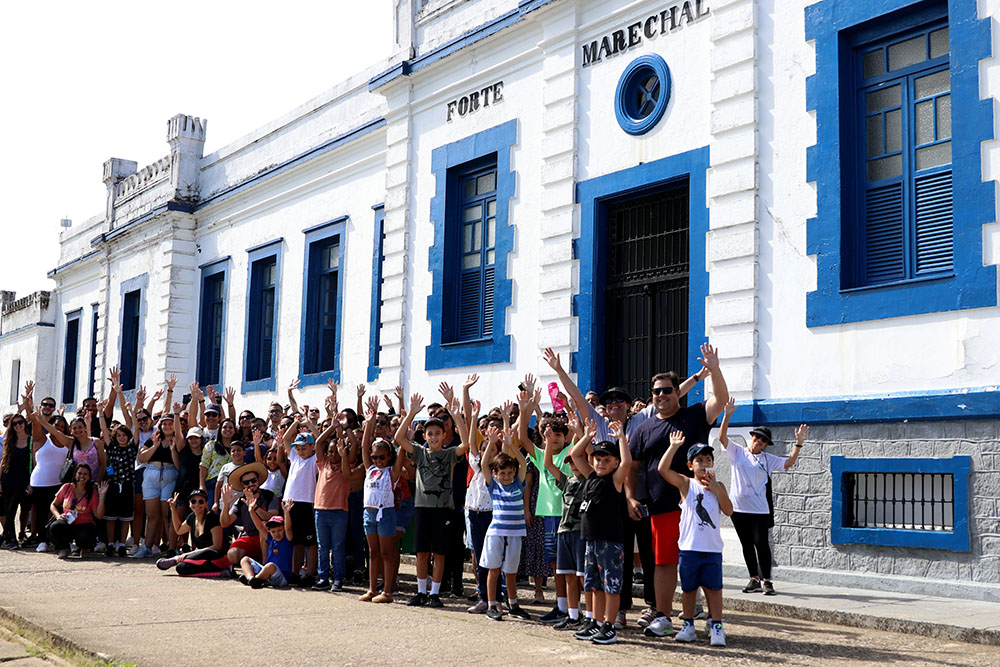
504 476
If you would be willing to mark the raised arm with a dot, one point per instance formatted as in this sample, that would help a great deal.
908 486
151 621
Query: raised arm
463 430
401 438
197 400
669 474
360 409
720 392
324 437
550 465
287 507
719 489
228 496
691 381
579 450
467 399
525 401
105 432
291 394
522 464
625 466
180 527
56 435
552 359
366 437
229 397
724 426
102 491
801 433
114 375
179 441
474 436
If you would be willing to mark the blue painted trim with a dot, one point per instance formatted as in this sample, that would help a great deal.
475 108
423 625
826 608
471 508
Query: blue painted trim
973 285
496 349
256 253
69 371
94 324
136 284
592 195
972 403
955 540
63 267
629 83
208 270
375 327
468 38
325 147
316 233
26 327
217 260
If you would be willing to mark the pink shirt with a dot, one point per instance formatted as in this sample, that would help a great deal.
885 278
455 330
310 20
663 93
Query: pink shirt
331 487
84 506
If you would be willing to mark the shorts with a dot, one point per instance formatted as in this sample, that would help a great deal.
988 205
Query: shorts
432 529
249 544
119 503
504 553
700 568
570 553
603 571
551 529
303 519
384 527
137 481
277 580
666 532
158 482
404 515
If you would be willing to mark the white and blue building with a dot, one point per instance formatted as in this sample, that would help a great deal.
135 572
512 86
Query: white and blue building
620 181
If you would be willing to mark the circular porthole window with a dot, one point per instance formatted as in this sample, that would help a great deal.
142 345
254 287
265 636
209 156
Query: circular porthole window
643 93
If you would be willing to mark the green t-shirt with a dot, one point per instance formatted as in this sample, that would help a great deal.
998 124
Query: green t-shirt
549 496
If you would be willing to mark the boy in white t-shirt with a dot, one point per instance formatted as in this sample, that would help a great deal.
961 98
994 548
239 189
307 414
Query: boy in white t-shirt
301 488
703 498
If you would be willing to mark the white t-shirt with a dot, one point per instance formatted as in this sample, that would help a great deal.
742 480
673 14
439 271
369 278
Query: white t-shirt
477 497
700 519
275 481
301 484
48 464
750 473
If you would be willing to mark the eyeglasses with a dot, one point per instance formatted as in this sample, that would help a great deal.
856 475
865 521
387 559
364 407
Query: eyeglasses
243 418
144 418
196 501
663 390
381 422
251 480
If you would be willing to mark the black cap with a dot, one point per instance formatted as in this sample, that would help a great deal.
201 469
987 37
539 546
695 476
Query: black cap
763 432
700 448
615 391
434 421
607 447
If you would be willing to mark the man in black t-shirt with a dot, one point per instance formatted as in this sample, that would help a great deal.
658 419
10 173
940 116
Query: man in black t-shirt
647 446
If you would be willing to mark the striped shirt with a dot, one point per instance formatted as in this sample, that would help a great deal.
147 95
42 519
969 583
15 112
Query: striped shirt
508 509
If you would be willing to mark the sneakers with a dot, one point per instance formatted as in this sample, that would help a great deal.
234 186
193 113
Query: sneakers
307 581
109 551
753 586
768 590
322 584
155 551
659 627
418 600
587 630
606 635
367 596
382 598
42 547
699 613
687 633
479 608
620 621
100 546
257 584
63 554
717 634
337 585
516 611
647 617
166 563
434 601
637 575
554 616
568 623
143 552
494 613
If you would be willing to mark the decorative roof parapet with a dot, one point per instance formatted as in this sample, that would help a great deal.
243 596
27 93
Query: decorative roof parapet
145 177
10 305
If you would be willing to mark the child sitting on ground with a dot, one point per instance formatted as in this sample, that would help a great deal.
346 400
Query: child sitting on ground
603 529
700 541
504 476
277 568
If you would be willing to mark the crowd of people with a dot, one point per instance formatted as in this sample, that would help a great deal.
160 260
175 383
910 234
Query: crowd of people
595 493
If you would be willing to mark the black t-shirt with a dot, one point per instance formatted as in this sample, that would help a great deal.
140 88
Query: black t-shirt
188 478
203 541
602 509
652 439
459 476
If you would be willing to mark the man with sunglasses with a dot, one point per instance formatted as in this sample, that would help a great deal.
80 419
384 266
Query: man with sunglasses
648 444
236 509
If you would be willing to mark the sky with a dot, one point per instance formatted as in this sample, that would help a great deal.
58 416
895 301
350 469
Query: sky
86 81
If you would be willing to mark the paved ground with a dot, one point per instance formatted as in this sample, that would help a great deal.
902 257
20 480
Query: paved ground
131 612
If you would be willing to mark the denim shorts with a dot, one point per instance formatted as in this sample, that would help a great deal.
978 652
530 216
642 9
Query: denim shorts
700 568
158 482
404 515
604 566
277 580
570 553
384 527
551 529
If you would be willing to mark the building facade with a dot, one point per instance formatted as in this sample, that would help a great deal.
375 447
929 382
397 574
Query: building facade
621 182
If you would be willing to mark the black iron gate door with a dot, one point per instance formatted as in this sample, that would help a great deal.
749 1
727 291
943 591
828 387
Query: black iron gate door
647 289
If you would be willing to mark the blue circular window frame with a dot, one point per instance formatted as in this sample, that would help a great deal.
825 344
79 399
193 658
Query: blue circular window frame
638 70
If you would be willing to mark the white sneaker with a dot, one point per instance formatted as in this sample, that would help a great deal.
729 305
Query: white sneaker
142 552
42 547
100 546
155 551
659 627
688 633
717 634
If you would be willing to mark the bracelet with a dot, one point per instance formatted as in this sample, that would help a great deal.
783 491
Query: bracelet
797 445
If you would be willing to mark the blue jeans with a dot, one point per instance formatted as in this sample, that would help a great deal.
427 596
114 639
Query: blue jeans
479 522
331 529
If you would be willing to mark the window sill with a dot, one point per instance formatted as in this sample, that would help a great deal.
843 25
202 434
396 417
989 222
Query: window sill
462 343
895 283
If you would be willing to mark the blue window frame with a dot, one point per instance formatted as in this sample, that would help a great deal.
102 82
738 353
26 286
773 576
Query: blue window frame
71 353
212 325
643 94
94 322
472 238
887 160
375 332
262 316
904 504
130 331
322 298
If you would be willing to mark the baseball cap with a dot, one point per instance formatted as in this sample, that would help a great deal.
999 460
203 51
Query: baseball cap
700 448
213 408
275 521
607 447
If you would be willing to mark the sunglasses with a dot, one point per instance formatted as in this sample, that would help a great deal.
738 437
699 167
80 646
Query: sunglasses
381 422
663 390
20 422
316 410
379 457
252 480
444 417
143 419
243 418
48 405
196 501
274 412
615 399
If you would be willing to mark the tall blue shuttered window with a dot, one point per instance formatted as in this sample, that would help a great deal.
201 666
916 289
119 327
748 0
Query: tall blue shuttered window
261 325
129 362
476 260
212 328
321 317
904 165
71 353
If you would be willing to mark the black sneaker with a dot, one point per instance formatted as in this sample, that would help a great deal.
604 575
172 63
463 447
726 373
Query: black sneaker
243 580
109 551
434 601
516 611
606 635
753 586
568 623
768 588
122 552
307 581
587 630
418 600
257 583
322 584
494 614
337 585
554 616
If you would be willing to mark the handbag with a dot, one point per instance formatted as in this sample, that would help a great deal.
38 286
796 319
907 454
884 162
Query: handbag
66 472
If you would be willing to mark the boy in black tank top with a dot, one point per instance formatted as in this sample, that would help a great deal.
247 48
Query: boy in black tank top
603 529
